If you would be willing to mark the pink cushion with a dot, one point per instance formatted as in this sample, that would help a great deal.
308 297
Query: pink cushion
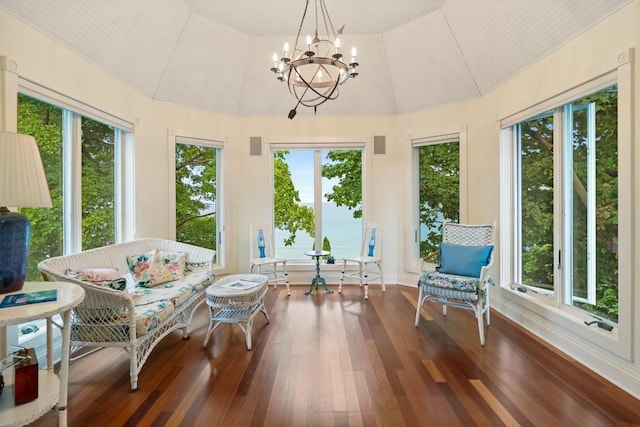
100 274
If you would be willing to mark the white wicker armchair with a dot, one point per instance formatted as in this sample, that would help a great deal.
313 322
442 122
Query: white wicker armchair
463 281
107 317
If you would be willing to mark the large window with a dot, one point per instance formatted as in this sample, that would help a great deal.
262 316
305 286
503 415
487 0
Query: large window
317 201
197 211
438 173
79 156
566 203
83 159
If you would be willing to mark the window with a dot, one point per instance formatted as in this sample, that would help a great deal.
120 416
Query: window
83 159
196 184
576 256
438 185
86 205
317 201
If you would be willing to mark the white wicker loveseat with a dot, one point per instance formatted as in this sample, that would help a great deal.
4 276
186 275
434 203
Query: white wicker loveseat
135 318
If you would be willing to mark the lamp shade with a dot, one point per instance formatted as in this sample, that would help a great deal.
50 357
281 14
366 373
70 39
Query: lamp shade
22 179
23 183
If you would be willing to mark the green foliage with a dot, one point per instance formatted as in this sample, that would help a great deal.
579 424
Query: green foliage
326 245
196 180
347 167
289 214
44 123
439 187
537 205
98 184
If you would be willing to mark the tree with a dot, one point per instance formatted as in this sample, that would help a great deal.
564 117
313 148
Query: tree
347 167
289 214
537 157
196 181
439 189
44 123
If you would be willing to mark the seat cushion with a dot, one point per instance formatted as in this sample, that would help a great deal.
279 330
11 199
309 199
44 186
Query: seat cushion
149 316
449 281
153 305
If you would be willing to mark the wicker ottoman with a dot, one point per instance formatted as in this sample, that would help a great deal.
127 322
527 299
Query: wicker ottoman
236 299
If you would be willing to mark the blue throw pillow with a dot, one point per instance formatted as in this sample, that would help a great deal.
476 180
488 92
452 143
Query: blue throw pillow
463 260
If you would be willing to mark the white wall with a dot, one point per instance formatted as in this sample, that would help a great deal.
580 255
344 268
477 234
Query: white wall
388 193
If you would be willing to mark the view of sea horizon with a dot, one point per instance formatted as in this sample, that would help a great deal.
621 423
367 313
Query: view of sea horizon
343 231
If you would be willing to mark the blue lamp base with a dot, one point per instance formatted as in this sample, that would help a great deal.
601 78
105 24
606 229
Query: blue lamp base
15 230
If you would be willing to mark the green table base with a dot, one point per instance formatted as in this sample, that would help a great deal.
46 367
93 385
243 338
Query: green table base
318 280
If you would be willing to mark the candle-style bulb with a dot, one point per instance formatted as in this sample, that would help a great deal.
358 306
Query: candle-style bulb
337 43
308 40
354 52
286 49
274 57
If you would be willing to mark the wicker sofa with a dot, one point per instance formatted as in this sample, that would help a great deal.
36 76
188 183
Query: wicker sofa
137 317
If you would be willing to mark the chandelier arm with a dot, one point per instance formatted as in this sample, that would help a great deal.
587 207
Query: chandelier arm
306 83
325 98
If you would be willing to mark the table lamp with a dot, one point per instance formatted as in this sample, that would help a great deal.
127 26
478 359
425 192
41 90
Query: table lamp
22 184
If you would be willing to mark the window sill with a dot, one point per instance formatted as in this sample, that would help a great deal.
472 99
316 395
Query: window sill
569 323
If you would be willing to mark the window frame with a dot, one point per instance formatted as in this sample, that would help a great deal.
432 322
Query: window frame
317 144
552 309
73 111
414 261
185 137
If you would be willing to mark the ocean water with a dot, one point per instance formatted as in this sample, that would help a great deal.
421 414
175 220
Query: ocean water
343 231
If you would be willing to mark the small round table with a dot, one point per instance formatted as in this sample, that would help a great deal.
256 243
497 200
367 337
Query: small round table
318 280
237 298
52 388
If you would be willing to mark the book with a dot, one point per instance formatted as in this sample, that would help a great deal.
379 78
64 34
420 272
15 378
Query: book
241 284
29 298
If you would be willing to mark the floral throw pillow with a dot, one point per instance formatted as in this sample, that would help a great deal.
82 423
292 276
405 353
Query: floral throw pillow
157 267
174 262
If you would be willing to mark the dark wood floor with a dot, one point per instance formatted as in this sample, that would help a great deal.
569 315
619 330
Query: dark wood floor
337 360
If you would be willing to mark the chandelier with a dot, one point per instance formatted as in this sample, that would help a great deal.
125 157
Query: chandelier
315 68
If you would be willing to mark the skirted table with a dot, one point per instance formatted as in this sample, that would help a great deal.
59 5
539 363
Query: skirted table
237 298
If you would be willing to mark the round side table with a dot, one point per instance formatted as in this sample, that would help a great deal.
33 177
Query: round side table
318 280
52 389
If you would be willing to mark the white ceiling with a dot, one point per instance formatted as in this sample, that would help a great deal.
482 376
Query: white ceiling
215 55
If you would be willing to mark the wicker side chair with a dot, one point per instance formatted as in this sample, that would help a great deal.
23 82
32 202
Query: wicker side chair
463 277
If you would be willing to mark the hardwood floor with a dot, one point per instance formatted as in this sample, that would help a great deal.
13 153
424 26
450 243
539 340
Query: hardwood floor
337 360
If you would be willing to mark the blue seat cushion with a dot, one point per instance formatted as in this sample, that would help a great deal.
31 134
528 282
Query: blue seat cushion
463 260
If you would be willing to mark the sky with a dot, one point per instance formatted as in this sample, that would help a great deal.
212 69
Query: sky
301 168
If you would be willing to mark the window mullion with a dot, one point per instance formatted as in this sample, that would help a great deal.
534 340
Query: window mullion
72 171
591 203
317 197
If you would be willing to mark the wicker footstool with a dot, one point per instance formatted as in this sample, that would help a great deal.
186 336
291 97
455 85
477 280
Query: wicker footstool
236 299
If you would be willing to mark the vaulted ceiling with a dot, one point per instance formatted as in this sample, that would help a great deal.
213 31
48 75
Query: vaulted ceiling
215 55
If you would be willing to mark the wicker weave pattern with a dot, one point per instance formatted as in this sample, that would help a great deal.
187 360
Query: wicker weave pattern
469 235
237 306
106 318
